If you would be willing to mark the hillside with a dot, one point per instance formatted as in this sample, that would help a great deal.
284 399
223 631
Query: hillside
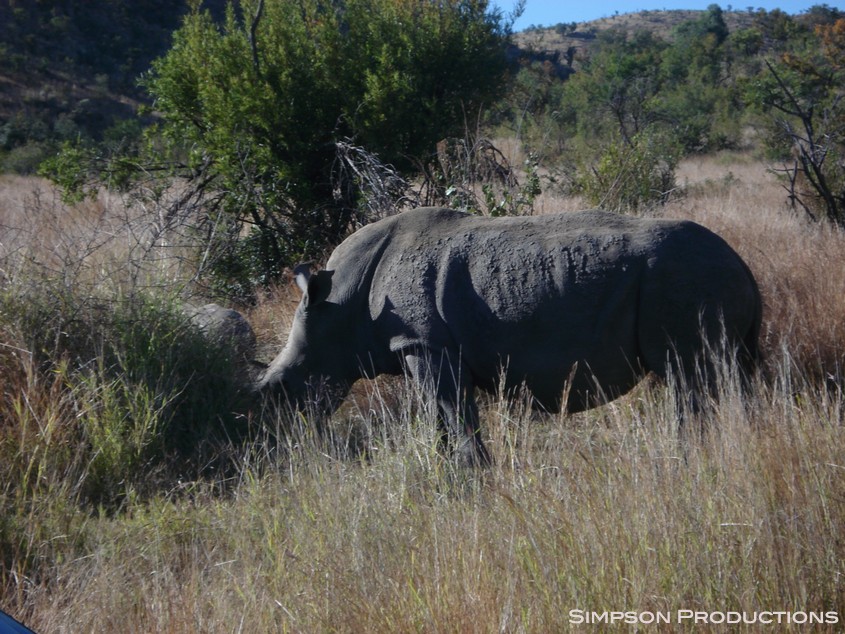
82 61
70 69
568 44
661 23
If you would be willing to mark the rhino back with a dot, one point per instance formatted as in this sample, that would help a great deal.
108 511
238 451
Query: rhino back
533 294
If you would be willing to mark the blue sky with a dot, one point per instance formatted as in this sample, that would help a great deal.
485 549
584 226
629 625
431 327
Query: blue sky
551 12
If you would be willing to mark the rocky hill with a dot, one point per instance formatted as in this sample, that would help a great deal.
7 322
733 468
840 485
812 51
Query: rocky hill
567 44
661 23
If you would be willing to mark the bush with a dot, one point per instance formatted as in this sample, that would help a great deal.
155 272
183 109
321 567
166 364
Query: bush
24 159
261 101
631 178
114 390
471 174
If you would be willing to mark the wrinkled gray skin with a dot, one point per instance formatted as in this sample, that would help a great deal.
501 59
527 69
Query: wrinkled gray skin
575 306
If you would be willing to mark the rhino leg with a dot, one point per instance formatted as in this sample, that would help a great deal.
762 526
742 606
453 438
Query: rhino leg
448 382
694 363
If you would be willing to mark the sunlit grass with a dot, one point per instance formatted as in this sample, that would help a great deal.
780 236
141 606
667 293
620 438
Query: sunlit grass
369 528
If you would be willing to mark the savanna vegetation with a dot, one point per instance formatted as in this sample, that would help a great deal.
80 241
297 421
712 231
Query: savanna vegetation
142 489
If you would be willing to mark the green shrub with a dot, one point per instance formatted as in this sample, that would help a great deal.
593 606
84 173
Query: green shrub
262 100
133 385
631 178
24 159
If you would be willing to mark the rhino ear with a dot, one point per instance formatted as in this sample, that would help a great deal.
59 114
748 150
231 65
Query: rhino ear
319 287
302 273
314 286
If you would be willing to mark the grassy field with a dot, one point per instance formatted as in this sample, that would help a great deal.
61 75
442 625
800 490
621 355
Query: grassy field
103 529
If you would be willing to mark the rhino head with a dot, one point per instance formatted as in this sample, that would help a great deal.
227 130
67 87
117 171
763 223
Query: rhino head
309 373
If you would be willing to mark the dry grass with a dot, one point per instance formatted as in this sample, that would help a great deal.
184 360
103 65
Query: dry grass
607 510
109 242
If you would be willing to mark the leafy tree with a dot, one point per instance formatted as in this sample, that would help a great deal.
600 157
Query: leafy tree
635 83
251 109
614 93
803 96
531 110
697 51
777 28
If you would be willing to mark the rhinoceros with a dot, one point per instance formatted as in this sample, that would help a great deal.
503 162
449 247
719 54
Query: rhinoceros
576 307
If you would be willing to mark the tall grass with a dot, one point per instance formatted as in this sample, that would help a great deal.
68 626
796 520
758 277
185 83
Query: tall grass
606 511
109 392
369 528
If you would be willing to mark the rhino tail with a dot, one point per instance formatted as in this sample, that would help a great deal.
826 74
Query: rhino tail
750 355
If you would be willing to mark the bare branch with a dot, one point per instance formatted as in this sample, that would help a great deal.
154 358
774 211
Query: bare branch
253 30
